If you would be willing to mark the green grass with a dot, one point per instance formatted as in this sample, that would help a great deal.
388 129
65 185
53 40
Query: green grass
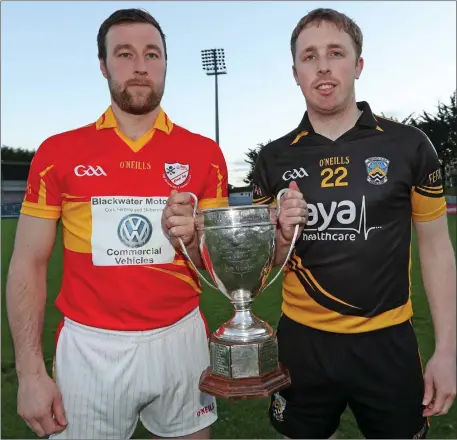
246 419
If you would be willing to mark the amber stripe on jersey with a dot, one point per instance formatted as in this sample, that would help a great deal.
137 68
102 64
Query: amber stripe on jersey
219 181
299 136
77 226
432 188
427 191
427 204
220 202
262 200
181 262
38 204
179 275
312 282
43 211
42 192
301 307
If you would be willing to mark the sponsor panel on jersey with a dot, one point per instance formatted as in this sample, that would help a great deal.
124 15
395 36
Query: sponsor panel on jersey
127 231
337 221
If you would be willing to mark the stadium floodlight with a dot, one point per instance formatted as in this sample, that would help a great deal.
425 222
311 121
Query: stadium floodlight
213 63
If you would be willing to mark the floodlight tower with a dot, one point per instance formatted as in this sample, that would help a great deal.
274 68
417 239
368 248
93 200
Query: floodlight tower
213 61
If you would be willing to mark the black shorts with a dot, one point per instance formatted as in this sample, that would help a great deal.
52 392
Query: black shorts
378 374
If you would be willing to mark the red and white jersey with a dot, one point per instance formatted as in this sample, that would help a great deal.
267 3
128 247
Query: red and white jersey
120 270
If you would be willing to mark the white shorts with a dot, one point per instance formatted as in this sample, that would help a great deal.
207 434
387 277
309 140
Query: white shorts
110 379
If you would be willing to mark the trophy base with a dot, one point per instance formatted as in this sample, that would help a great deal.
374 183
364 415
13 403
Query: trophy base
244 389
244 370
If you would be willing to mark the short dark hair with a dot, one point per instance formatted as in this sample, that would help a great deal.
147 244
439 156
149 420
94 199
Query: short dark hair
124 16
340 20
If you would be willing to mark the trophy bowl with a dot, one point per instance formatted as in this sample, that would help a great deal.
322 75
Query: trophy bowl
237 245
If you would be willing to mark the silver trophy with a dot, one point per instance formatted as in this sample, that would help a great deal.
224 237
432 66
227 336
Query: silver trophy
237 246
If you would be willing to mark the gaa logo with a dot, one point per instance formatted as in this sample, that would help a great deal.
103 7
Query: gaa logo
134 230
294 174
82 170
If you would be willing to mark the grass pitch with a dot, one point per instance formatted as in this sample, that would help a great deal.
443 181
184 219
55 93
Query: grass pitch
246 419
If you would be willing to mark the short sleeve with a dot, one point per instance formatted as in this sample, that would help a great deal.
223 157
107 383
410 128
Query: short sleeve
215 192
261 193
42 196
427 197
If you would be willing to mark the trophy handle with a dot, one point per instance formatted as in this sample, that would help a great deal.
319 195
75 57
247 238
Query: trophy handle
184 250
278 198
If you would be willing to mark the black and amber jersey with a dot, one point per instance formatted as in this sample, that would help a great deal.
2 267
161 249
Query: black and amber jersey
350 270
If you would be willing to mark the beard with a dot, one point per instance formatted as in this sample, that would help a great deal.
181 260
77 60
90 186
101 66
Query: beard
139 101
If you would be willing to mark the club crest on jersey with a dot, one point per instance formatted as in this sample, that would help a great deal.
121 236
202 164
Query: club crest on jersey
177 174
377 169
278 406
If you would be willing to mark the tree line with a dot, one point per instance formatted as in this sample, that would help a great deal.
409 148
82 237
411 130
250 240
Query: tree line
440 127
16 154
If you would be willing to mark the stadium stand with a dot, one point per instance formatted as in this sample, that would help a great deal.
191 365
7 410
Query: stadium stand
13 185
240 196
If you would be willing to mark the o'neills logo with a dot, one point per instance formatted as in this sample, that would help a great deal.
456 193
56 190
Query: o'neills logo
135 165
205 410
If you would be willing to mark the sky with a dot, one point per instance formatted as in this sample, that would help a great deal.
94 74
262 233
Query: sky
51 82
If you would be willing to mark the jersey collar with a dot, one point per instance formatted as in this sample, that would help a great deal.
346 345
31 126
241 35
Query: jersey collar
108 120
366 119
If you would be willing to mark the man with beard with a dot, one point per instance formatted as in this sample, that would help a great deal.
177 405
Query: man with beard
132 343
345 333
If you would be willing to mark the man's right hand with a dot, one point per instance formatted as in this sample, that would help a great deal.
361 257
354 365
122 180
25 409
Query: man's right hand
178 219
39 403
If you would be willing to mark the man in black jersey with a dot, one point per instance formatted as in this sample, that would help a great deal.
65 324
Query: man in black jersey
346 333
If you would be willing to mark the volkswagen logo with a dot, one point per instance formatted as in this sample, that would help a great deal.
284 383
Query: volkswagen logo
134 230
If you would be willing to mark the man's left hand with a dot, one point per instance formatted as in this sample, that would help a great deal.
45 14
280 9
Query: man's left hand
440 384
